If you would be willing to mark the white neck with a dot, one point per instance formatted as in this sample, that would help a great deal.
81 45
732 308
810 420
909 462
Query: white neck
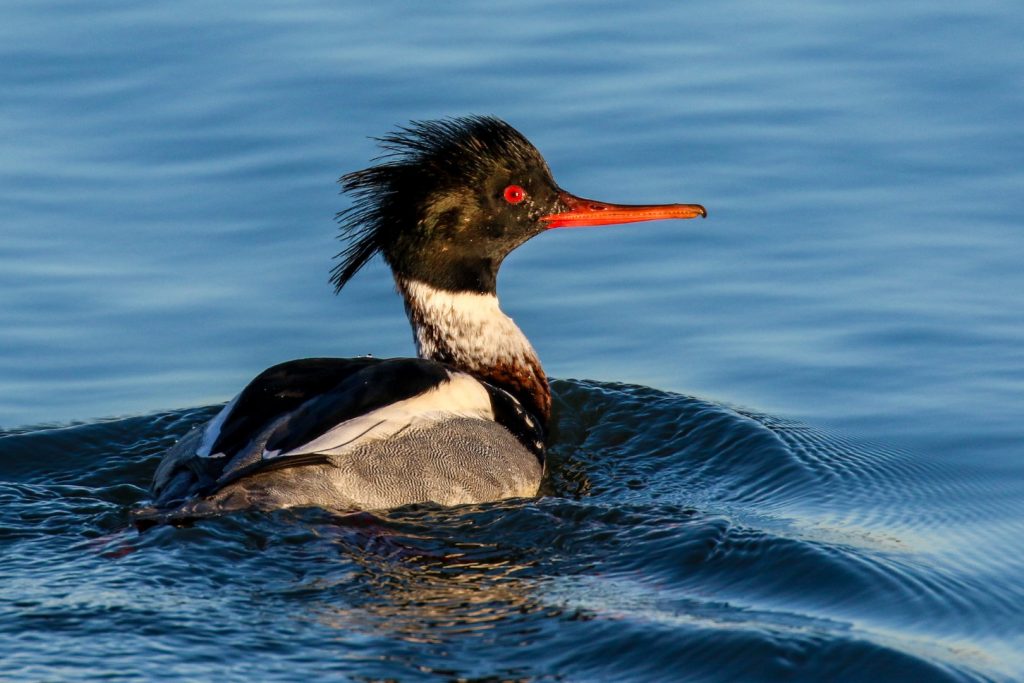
469 332
463 328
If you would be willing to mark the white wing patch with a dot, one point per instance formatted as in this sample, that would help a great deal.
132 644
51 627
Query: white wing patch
460 396
212 431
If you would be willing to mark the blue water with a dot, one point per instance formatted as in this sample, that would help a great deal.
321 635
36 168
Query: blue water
794 450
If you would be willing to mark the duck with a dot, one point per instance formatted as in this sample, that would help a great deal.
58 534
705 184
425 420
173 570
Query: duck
464 422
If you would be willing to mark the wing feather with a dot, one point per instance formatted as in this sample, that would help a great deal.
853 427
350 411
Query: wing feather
308 411
458 395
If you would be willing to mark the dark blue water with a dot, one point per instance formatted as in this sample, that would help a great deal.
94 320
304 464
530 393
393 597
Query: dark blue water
824 481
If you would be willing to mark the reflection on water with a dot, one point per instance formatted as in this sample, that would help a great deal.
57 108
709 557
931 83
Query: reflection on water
423 590
674 532
167 190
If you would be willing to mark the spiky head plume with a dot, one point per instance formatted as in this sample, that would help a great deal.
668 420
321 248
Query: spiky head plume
400 202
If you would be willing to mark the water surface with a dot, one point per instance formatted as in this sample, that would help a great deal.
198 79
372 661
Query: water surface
823 481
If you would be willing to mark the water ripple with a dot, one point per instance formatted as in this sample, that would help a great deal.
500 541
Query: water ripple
674 531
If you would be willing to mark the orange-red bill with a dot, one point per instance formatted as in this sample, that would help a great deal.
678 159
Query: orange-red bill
585 212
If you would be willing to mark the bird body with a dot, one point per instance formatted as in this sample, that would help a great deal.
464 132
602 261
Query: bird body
466 421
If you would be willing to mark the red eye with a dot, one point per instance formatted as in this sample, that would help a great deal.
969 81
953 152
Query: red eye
514 194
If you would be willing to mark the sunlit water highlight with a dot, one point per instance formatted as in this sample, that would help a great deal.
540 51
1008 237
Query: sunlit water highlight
166 187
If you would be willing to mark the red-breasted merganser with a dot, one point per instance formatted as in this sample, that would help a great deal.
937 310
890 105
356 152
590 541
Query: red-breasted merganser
465 422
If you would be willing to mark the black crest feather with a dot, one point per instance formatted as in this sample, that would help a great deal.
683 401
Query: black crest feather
418 158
